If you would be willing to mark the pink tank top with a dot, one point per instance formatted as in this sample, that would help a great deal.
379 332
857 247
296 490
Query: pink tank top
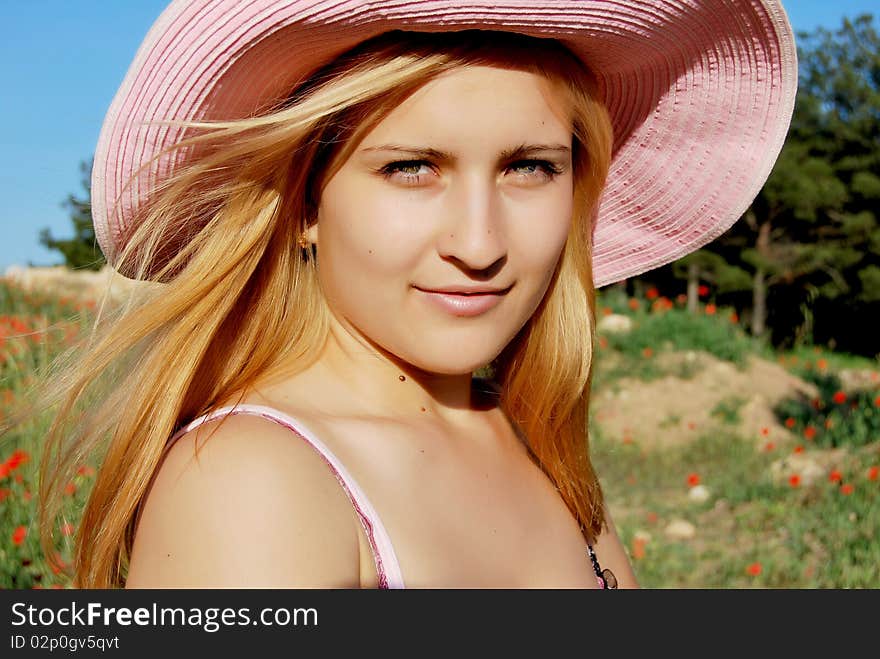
387 566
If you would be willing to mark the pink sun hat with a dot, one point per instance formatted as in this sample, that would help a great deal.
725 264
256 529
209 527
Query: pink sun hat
700 94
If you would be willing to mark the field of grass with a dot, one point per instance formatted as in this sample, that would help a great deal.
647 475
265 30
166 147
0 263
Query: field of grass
725 510
33 328
717 512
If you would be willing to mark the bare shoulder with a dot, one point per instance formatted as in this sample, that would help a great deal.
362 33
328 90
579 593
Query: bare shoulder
612 555
255 506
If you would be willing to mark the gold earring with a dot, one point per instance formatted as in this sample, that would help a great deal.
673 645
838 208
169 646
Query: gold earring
303 241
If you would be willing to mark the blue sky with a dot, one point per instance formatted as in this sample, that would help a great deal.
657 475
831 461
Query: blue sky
62 63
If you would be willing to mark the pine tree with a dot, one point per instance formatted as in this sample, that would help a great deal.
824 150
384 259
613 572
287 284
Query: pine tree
82 250
808 248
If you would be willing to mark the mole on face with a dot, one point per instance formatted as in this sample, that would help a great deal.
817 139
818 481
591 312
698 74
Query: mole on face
402 378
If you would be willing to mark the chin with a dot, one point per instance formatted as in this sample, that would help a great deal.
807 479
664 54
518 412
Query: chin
453 363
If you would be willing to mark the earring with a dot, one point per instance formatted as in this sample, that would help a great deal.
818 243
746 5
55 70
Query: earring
303 241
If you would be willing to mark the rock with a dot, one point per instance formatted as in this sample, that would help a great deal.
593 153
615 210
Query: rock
642 536
699 493
680 529
615 324
858 379
797 464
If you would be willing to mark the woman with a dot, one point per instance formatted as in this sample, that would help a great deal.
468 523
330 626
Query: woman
350 210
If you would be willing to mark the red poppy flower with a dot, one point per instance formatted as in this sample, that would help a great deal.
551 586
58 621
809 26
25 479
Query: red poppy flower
18 535
839 397
648 352
633 304
835 476
4 493
822 364
70 489
798 449
877 402
765 431
847 489
754 569
734 318
692 425
769 446
873 473
794 480
67 528
87 470
693 479
652 293
703 290
17 459
651 517
607 311
789 422
603 342
711 309
638 548
809 432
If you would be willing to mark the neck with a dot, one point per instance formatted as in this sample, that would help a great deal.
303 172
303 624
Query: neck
379 383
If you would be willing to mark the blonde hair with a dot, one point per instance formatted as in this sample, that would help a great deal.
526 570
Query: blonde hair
221 237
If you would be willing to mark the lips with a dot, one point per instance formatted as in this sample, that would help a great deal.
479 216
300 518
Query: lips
466 290
464 302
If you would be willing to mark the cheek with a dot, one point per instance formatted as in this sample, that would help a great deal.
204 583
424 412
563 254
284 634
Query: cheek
541 233
369 235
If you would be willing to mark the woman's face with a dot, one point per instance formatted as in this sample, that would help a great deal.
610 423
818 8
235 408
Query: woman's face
467 184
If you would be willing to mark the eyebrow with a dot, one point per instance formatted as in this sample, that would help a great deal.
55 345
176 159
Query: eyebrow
520 151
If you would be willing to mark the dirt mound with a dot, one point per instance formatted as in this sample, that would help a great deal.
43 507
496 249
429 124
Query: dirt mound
62 281
673 410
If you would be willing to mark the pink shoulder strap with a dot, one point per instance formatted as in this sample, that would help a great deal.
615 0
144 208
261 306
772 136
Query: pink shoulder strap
387 566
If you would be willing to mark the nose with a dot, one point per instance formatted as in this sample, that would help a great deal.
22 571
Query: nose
473 235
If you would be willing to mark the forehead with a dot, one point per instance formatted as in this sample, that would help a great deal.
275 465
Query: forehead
481 100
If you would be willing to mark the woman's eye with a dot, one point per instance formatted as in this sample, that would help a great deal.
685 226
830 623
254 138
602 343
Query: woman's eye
542 169
408 171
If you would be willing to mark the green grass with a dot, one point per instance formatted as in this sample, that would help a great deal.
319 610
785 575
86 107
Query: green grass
33 328
727 410
812 357
802 537
662 328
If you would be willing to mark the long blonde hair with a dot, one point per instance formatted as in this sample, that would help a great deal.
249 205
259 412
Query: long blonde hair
221 238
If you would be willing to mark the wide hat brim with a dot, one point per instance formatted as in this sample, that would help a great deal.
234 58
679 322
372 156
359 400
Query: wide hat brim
700 94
